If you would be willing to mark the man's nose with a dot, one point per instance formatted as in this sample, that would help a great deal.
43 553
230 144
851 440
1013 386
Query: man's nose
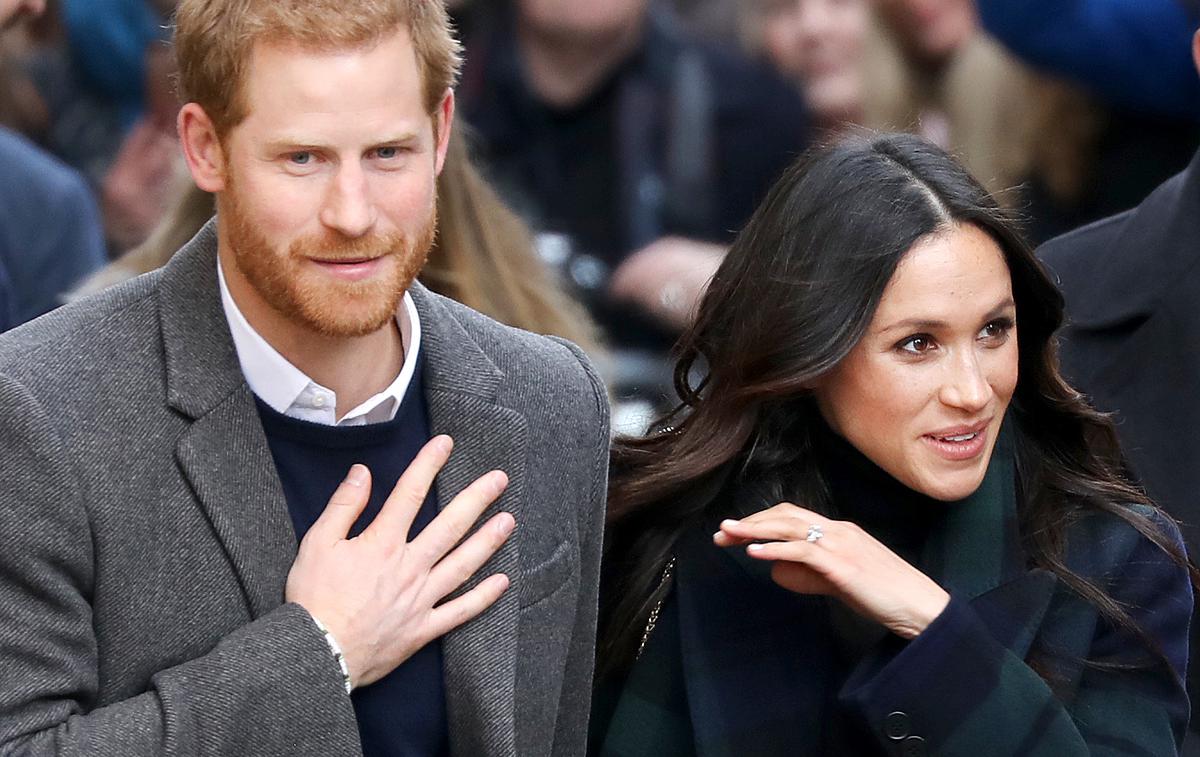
348 208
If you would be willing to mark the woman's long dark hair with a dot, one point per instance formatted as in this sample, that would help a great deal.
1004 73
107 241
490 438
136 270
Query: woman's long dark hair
793 297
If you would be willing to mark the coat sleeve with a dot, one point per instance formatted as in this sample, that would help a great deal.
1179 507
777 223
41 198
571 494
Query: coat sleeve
570 730
269 688
957 690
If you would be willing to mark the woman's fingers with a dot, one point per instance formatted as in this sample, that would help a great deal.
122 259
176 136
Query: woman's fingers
801 579
773 528
783 509
847 564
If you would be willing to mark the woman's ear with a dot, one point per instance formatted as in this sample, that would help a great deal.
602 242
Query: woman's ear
202 148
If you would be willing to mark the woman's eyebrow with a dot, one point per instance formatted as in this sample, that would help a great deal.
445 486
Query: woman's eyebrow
915 324
928 324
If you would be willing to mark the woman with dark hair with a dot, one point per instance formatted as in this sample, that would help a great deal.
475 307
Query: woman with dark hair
881 522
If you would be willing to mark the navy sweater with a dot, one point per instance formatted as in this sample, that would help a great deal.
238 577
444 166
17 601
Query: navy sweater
405 712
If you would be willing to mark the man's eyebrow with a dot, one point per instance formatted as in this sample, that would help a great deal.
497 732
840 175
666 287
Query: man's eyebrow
295 143
933 325
404 138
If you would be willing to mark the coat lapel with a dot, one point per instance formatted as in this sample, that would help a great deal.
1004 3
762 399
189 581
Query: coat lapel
223 454
480 656
225 458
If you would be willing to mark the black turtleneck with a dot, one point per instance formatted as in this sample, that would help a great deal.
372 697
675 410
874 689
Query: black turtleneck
865 494
902 519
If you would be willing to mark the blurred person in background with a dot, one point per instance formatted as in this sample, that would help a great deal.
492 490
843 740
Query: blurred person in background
121 52
110 41
1133 54
483 255
1053 150
1135 120
711 19
820 45
635 151
50 229
1132 344
926 67
933 72
102 71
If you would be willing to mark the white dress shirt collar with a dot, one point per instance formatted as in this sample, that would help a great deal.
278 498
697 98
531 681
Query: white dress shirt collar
286 389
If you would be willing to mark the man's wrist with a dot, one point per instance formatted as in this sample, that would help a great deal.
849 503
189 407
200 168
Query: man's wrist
336 649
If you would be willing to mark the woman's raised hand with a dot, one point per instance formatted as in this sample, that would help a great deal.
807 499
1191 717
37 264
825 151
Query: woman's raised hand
812 554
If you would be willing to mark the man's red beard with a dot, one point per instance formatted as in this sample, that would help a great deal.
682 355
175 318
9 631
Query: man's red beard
293 286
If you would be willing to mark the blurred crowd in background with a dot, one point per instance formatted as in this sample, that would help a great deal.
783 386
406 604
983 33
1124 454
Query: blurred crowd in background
631 138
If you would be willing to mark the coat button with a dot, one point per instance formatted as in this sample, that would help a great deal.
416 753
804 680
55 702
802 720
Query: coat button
913 746
896 727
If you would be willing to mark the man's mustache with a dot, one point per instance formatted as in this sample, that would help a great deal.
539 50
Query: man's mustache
338 251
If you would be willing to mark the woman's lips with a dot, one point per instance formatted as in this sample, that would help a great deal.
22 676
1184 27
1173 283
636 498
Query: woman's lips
956 447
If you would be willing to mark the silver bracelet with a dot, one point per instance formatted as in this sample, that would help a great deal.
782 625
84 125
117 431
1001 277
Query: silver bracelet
337 653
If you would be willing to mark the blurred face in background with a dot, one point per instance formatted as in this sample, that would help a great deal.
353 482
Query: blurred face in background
582 19
819 44
931 30
12 11
1196 49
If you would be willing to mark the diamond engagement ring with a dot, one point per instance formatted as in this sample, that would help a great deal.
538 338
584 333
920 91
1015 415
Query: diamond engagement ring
814 534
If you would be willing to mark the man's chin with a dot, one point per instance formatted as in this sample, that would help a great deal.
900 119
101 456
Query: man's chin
348 323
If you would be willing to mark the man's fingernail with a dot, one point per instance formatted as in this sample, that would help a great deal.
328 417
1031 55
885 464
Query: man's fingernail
358 475
499 480
728 522
756 548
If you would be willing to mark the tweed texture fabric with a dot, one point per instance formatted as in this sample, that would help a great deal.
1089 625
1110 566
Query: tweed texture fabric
146 540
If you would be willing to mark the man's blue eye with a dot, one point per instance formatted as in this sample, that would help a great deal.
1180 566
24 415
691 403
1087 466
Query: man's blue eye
387 153
302 158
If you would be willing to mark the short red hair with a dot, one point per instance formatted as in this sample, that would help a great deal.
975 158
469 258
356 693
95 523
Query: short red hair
215 38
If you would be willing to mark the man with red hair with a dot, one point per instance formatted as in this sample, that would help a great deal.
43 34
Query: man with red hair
231 517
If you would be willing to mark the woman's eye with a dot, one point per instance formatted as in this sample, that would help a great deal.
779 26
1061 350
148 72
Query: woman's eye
916 345
996 331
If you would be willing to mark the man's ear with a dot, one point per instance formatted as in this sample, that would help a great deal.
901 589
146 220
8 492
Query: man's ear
201 148
443 124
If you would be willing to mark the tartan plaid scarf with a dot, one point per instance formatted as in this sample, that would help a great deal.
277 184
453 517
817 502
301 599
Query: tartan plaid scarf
741 667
